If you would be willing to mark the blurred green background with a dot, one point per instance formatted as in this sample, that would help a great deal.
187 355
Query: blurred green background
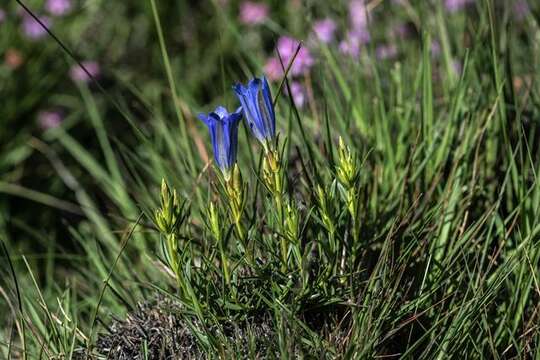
51 177
81 157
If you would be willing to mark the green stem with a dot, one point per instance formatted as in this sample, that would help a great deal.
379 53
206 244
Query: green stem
281 220
171 249
241 233
224 262
356 226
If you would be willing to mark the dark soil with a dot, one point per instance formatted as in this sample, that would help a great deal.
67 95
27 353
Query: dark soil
156 330
152 331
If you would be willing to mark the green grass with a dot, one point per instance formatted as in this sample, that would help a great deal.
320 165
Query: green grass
429 250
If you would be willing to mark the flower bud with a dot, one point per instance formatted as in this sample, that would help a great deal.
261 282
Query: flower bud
167 216
347 167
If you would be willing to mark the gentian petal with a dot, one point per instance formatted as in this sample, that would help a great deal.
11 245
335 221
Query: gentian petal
258 108
223 130
203 117
269 107
221 112
239 89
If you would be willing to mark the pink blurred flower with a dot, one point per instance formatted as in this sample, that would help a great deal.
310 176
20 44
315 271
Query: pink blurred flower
435 48
358 35
2 16
457 66
273 69
358 15
33 29
13 58
520 9
77 74
456 5
401 31
386 52
296 4
298 94
50 119
324 30
350 47
353 42
253 13
58 7
286 46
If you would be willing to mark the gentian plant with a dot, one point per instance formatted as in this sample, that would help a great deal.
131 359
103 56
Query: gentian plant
258 106
259 112
170 219
223 129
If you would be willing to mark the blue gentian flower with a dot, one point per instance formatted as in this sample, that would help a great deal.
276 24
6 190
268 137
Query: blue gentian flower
223 128
258 108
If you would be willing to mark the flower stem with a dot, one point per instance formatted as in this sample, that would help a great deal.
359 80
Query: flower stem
281 220
224 262
172 247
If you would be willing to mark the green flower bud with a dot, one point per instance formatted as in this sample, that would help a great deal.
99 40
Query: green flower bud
166 218
347 167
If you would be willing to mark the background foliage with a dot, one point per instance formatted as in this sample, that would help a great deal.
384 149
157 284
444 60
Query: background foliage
439 108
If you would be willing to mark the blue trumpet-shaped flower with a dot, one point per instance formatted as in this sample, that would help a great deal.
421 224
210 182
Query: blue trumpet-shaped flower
223 128
258 108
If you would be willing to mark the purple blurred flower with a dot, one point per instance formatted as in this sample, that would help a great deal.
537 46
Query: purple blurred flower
2 16
286 46
435 48
273 69
350 47
401 31
520 9
456 5
58 7
457 66
324 30
33 29
50 119
358 15
252 13
352 43
386 52
360 36
298 94
359 33
77 74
